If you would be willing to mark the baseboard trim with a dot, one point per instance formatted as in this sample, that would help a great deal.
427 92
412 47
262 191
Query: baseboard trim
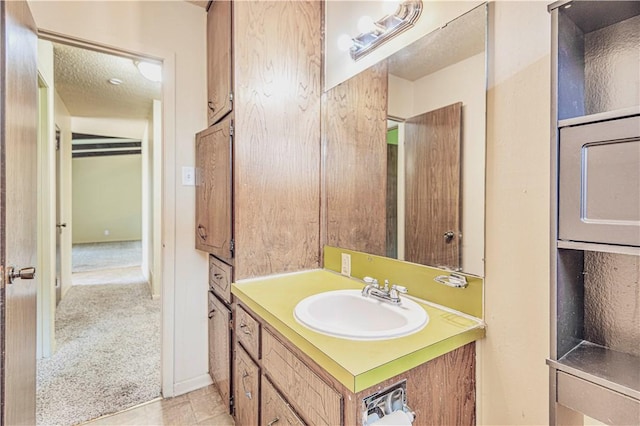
191 384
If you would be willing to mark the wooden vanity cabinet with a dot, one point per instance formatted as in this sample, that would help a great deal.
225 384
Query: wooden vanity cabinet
219 61
220 347
296 390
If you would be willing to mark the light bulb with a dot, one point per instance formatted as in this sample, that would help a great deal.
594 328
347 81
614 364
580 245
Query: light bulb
151 71
345 42
366 24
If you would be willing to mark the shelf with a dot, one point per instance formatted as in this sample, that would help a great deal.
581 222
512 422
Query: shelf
602 116
603 248
617 371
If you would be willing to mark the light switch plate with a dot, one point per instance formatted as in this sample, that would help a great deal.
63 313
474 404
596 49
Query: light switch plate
346 264
188 176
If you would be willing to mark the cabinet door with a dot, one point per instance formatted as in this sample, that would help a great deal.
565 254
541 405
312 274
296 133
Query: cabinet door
213 190
220 347
246 385
219 65
274 409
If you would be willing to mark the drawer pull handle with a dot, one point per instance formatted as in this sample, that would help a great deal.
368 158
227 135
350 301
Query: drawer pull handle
244 386
202 232
211 107
211 312
217 276
274 421
245 329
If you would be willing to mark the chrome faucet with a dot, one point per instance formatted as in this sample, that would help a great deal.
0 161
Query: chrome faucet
386 294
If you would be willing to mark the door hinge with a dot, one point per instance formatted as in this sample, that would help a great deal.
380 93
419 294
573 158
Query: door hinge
230 96
231 130
232 247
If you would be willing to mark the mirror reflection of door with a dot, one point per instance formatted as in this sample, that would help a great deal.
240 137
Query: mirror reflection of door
432 187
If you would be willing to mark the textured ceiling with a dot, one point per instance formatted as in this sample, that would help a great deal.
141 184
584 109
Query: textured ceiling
81 79
460 39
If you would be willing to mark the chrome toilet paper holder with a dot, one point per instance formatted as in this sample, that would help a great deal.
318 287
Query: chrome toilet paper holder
385 402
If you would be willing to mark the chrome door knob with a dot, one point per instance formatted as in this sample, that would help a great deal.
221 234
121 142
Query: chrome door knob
448 236
24 274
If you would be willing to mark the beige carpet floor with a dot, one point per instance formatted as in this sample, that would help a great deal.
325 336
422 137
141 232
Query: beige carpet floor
107 354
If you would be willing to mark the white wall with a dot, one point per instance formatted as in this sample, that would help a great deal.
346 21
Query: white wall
107 198
175 32
512 375
341 17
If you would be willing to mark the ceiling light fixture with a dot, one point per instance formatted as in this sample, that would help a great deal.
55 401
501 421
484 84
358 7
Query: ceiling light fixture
150 70
115 81
383 30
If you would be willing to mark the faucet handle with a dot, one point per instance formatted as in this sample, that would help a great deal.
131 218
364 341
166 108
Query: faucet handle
371 281
399 288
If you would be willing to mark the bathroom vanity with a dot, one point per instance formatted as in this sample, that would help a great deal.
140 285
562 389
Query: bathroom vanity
283 369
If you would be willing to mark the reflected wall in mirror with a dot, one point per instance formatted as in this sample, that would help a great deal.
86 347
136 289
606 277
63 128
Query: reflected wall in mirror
433 170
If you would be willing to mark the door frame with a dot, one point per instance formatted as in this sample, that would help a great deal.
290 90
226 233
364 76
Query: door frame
46 238
164 213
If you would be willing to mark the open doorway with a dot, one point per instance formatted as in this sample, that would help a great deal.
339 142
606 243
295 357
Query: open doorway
101 350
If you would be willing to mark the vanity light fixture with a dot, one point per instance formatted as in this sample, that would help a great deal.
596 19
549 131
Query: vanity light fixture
150 70
386 28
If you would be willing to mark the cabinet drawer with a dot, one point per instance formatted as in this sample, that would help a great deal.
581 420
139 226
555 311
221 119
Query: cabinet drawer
596 401
248 332
220 278
274 409
246 384
305 391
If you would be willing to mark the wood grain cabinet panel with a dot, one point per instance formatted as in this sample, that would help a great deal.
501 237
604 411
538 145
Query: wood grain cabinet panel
213 190
219 61
274 410
317 401
277 66
220 347
246 389
355 117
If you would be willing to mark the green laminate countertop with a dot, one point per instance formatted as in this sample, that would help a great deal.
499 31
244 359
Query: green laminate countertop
358 365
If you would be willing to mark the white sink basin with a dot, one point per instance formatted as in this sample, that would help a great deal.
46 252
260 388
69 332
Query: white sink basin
349 315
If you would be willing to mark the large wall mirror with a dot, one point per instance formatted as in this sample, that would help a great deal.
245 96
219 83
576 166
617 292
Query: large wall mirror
426 158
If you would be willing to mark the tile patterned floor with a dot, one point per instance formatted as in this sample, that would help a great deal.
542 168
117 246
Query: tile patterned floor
200 407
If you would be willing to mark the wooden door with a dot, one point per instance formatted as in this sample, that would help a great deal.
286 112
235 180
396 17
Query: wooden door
219 65
432 187
220 347
246 385
18 208
213 190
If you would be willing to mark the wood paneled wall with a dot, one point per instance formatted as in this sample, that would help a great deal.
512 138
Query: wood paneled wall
277 145
355 168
